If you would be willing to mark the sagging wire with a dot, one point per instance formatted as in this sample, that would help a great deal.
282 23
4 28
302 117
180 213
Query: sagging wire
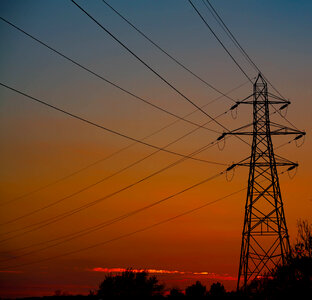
234 110
227 177
298 145
221 145
285 109
294 167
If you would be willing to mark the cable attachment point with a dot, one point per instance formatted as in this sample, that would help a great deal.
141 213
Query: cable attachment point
284 107
233 110
219 143
299 137
295 166
221 136
230 178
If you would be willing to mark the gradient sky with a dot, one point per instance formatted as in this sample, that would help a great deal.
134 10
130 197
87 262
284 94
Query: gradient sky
39 145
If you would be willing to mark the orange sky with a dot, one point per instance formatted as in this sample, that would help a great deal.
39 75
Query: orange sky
40 146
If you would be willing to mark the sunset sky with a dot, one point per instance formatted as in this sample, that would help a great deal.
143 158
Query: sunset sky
40 146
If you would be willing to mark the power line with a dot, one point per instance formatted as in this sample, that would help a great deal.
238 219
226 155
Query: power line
54 219
136 231
57 218
97 227
148 66
226 29
109 176
71 212
100 126
166 52
220 42
112 154
101 77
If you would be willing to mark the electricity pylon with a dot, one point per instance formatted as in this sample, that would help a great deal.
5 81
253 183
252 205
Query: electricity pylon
265 241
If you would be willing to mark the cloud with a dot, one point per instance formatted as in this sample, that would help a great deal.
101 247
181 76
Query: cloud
151 271
207 275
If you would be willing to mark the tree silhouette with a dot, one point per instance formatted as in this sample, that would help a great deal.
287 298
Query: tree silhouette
129 285
294 279
196 290
303 246
217 290
175 293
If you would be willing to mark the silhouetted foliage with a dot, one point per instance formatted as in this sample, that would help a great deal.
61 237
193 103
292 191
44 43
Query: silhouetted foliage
217 290
303 246
291 281
294 279
129 285
176 293
196 290
59 293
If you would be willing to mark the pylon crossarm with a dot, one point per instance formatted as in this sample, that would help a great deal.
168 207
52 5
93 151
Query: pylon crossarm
263 102
280 131
280 159
266 164
245 99
279 98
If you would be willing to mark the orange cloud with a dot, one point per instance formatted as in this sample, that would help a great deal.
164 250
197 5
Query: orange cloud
151 271
155 271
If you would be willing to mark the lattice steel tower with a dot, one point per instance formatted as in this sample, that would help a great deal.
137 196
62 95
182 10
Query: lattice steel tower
265 241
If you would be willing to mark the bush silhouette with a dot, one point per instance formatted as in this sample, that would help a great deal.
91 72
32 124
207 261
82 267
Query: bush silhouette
196 290
175 293
294 279
129 285
217 290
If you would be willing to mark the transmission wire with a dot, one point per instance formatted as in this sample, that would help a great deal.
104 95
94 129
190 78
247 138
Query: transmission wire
150 68
120 218
136 231
95 124
244 53
112 154
166 52
108 177
218 39
101 77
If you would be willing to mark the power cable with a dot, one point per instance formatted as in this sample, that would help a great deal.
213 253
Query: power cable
133 232
98 125
101 77
220 42
150 68
225 28
51 220
107 177
222 24
54 219
112 154
166 52
97 227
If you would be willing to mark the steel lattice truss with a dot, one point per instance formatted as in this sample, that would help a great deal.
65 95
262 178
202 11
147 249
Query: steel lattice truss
265 241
